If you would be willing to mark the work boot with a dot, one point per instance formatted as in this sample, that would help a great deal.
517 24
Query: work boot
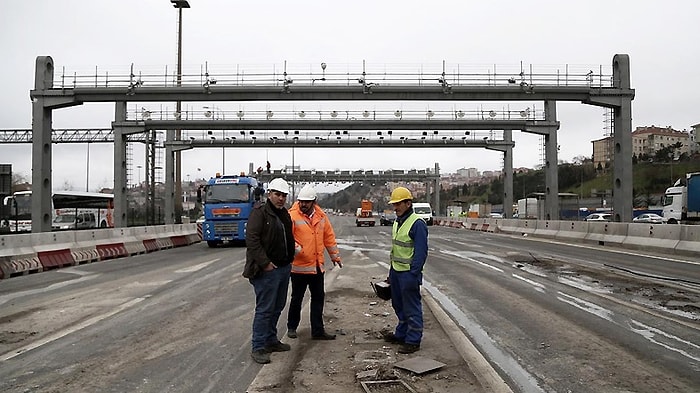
408 348
292 333
260 356
277 347
391 338
324 336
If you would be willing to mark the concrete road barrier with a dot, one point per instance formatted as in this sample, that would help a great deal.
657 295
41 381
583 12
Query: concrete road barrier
689 240
17 265
607 232
547 228
55 258
645 236
572 230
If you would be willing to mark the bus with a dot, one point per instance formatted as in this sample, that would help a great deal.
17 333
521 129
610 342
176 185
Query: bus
71 210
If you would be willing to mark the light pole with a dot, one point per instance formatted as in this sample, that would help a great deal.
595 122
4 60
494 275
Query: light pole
87 169
138 179
179 4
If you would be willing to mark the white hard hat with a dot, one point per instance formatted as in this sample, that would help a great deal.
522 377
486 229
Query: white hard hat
278 184
308 193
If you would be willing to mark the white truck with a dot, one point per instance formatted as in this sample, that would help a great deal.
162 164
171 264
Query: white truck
528 208
681 202
424 211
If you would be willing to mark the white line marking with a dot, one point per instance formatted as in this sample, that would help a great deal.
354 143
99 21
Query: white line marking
63 333
196 267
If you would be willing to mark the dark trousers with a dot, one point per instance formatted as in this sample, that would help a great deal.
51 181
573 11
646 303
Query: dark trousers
316 287
407 303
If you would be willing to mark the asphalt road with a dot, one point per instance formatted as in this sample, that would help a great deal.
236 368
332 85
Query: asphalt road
549 316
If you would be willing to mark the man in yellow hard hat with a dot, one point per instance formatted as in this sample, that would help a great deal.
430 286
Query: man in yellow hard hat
409 251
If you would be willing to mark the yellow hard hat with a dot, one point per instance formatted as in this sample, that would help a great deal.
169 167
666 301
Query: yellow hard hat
400 194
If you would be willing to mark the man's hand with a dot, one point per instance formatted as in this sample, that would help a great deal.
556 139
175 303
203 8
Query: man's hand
337 261
269 267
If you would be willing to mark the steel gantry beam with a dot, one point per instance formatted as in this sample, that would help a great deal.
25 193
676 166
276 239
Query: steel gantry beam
68 135
354 85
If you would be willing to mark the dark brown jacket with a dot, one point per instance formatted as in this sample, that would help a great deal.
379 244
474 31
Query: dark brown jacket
269 238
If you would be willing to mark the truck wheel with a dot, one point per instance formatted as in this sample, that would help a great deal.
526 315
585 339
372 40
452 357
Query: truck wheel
212 243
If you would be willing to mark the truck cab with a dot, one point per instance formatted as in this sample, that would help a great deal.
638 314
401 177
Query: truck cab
424 211
227 201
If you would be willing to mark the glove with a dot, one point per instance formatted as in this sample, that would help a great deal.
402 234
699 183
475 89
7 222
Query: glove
337 261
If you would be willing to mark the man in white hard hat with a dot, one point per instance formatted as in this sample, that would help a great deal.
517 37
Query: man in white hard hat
409 252
269 254
314 236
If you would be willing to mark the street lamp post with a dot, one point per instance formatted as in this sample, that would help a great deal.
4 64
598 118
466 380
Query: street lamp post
179 4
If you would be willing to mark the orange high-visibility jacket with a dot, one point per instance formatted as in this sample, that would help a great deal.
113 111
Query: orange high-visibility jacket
313 235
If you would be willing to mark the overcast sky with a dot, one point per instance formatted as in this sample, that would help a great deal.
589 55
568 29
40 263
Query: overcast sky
659 37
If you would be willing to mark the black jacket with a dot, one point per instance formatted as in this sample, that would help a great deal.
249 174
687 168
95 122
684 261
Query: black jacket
269 238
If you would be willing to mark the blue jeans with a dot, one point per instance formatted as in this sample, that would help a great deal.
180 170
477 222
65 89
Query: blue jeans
270 298
406 301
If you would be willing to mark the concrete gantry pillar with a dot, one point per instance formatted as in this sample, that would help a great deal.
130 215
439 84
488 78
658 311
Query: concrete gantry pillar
623 202
436 187
41 147
551 178
169 212
508 176
120 192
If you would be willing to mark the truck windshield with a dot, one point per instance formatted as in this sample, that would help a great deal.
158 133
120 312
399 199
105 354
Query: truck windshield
227 193
21 209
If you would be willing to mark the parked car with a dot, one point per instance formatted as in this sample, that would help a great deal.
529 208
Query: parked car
598 217
649 218
387 218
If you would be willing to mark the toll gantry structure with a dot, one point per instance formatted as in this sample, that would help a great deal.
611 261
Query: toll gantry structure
354 86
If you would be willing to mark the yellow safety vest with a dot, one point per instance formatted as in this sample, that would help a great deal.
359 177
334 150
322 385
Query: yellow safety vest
402 244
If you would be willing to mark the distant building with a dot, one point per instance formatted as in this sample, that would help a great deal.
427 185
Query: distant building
602 152
693 139
468 173
645 140
648 140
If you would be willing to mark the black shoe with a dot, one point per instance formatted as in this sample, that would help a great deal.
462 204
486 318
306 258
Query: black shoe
408 348
277 347
391 338
292 333
324 336
260 356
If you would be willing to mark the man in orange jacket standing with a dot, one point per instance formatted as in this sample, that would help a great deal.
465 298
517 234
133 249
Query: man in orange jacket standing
313 234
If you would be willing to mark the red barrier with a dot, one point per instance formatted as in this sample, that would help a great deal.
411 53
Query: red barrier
56 258
151 245
179 240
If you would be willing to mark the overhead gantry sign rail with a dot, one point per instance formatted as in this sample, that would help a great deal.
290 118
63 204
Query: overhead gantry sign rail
448 83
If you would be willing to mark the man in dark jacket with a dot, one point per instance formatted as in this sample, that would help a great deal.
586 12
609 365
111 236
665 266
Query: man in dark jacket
270 251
